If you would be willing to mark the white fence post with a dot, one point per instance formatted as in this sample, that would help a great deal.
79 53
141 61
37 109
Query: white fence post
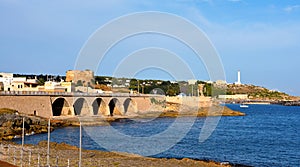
80 136
48 144
1 150
14 155
56 161
29 159
8 151
23 134
38 160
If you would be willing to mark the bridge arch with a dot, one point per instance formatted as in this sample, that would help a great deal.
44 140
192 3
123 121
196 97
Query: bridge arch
61 107
130 106
115 107
100 107
81 107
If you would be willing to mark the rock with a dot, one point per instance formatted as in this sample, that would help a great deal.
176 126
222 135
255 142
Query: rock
7 124
11 124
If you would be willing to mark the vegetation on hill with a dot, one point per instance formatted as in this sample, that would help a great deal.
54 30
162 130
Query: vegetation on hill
257 92
147 86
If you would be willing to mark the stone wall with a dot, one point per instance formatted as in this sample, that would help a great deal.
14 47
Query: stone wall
38 105
199 101
145 104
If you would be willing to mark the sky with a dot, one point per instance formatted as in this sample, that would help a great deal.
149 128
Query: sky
259 38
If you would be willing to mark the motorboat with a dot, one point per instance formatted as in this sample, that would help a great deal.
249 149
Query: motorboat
244 106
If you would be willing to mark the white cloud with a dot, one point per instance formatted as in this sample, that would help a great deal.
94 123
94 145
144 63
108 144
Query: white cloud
291 8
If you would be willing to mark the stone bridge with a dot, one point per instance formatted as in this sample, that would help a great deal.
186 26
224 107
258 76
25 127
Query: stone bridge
89 106
48 105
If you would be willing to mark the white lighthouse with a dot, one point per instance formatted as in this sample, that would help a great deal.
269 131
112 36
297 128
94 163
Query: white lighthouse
238 78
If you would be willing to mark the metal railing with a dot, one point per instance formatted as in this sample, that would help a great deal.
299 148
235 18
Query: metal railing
42 93
37 157
27 157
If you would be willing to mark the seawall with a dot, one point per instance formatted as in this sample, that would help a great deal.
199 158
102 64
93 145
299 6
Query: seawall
35 105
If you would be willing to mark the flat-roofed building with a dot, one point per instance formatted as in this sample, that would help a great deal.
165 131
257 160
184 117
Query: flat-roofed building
234 97
6 79
23 84
51 86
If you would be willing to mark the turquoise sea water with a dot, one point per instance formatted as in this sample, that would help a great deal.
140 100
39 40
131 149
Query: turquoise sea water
269 135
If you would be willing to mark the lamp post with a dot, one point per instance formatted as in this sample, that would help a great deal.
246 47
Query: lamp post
48 144
138 86
143 87
80 142
23 134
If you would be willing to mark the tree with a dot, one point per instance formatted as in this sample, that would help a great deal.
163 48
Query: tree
133 84
173 89
207 89
79 83
41 81
57 78
102 80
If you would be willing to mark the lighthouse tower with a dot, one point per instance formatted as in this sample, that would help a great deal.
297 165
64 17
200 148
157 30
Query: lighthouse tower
238 78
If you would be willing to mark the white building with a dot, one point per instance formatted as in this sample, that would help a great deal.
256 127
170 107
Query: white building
220 82
51 86
6 79
192 81
238 82
11 83
234 97
22 84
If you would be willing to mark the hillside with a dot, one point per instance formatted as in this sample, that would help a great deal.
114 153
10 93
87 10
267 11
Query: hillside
258 93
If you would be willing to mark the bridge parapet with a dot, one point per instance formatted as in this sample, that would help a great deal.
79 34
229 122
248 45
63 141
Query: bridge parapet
75 94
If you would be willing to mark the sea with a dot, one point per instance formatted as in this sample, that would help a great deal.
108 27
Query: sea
269 135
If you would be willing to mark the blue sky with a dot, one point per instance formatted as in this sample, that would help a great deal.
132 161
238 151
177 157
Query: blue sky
260 38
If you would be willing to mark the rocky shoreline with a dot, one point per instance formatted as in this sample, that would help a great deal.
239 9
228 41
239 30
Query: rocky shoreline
289 103
11 123
175 110
295 102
